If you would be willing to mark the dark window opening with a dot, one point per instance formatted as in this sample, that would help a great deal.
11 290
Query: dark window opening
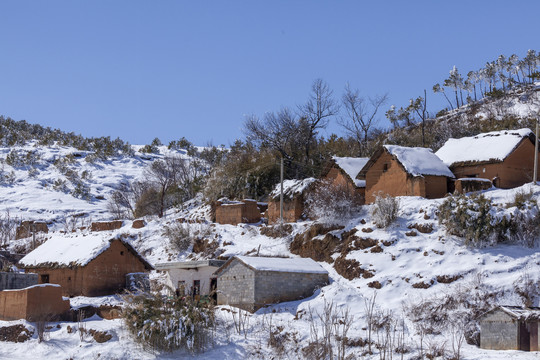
471 176
121 253
196 287
385 168
69 278
45 278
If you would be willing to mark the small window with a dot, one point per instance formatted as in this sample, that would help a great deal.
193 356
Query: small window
69 278
196 287
385 167
45 278
122 253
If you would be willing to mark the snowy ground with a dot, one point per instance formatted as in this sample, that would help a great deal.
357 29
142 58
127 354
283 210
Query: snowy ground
403 261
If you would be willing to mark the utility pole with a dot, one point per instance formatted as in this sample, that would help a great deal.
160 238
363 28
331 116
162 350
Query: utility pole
281 194
535 176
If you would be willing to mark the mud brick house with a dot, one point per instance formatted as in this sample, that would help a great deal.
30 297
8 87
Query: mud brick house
342 172
38 302
250 283
504 157
405 171
194 278
510 328
85 265
236 212
294 196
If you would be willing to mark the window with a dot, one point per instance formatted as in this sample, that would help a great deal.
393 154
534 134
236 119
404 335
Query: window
121 253
385 167
45 278
181 288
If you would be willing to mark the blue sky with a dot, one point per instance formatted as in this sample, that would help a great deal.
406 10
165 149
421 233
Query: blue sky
144 69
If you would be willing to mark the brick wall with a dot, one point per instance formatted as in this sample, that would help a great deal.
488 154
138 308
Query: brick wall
246 211
11 280
292 209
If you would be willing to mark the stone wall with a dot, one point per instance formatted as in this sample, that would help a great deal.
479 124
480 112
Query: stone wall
236 286
248 289
499 331
272 287
38 302
11 280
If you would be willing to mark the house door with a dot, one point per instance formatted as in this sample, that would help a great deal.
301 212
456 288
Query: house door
213 290
524 337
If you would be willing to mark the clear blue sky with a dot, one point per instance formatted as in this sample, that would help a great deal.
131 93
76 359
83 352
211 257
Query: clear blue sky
144 69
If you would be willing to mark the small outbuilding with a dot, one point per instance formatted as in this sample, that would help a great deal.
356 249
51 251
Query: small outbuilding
33 303
250 283
294 197
506 158
343 172
88 265
405 171
195 278
236 212
510 328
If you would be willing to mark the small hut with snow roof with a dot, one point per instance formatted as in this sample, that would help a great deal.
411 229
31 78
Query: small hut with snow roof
250 283
294 193
85 265
343 171
506 158
405 171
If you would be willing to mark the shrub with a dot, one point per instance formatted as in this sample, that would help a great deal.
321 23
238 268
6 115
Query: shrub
384 210
179 235
468 217
168 323
332 203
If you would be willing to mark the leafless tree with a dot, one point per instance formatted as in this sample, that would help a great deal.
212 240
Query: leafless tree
360 117
317 112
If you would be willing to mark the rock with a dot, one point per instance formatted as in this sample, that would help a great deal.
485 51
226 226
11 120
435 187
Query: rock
138 224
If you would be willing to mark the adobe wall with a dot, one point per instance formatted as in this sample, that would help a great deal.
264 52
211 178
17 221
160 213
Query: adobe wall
106 274
102 276
292 209
464 185
435 186
336 178
234 214
272 287
33 303
514 171
236 286
12 280
106 225
394 181
498 331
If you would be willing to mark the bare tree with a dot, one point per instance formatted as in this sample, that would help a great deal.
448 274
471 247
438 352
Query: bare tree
360 116
317 112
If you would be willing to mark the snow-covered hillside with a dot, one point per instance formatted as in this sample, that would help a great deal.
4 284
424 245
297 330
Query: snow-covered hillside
402 265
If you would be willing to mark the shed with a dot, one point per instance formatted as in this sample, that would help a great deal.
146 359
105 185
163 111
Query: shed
343 172
405 171
510 328
236 212
250 283
505 157
194 278
37 302
85 265
294 193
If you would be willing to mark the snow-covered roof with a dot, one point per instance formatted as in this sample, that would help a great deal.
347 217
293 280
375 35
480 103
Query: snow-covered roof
419 161
62 251
493 146
352 167
520 312
292 188
302 265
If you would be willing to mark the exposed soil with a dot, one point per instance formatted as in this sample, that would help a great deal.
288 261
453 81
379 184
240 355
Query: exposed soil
15 333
